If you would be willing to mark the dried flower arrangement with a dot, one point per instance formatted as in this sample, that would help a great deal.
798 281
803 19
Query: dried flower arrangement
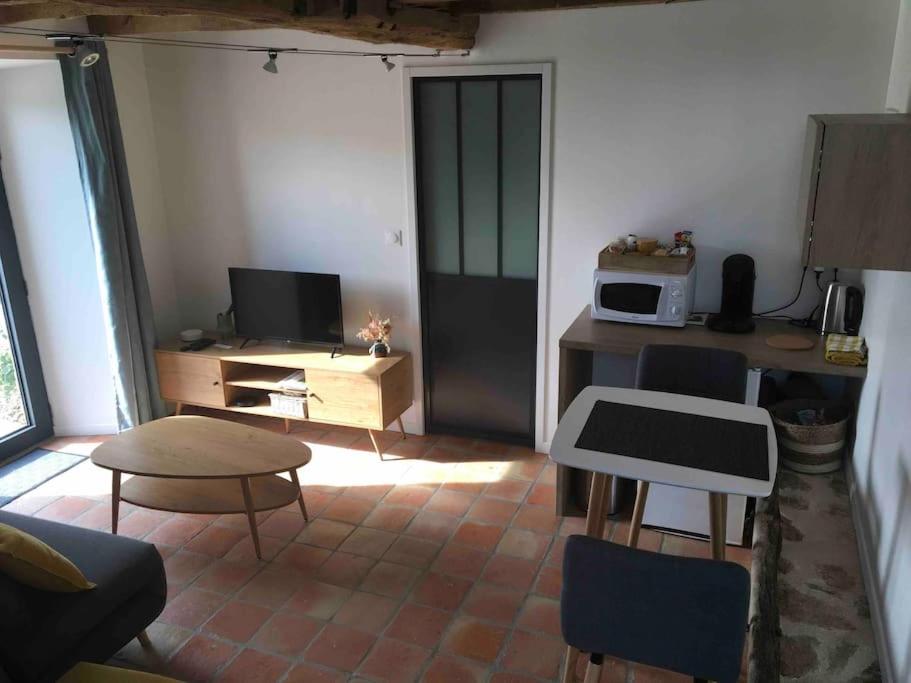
377 333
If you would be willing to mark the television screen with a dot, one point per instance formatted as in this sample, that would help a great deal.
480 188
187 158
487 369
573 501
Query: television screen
276 304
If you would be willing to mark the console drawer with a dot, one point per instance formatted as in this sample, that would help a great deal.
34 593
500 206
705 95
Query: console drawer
186 378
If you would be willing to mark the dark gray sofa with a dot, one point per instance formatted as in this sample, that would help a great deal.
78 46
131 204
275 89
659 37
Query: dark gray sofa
42 635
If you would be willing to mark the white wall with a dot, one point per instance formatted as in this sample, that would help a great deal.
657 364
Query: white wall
55 246
881 464
666 116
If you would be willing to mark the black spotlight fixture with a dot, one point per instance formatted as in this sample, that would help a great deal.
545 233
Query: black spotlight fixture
272 65
389 65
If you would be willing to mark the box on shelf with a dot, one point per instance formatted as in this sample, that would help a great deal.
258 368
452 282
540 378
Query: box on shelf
292 406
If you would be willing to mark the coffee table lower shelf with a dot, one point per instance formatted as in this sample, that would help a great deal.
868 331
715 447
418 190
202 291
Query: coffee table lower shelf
208 496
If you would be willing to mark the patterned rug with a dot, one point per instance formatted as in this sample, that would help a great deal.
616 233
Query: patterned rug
826 634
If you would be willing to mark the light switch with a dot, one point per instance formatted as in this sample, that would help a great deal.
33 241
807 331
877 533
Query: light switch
394 238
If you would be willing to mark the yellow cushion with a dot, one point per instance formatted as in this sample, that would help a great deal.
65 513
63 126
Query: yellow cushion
28 560
84 672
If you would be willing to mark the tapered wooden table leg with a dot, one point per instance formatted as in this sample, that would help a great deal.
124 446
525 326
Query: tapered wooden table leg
115 500
599 498
401 427
300 497
635 524
717 523
287 426
376 446
178 409
251 514
144 639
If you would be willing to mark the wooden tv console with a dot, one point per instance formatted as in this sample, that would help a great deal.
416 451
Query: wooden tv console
352 389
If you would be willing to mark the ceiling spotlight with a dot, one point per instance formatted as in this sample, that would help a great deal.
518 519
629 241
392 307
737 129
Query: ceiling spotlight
86 56
389 65
272 65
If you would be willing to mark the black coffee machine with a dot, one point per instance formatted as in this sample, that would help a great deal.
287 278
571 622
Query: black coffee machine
738 275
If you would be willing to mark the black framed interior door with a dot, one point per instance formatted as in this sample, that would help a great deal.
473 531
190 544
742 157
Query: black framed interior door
25 415
477 165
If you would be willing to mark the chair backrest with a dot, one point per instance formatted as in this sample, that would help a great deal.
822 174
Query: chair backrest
693 371
683 614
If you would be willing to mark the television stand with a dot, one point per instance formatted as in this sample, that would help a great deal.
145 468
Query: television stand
335 350
350 390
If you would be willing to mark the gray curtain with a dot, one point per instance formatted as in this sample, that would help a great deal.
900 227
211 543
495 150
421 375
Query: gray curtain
109 204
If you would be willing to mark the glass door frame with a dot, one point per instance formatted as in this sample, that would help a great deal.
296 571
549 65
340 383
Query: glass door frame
545 364
24 344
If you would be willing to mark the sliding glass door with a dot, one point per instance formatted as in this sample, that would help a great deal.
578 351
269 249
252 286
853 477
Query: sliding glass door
477 161
25 416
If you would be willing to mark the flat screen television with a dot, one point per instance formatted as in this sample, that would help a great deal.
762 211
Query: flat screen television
278 304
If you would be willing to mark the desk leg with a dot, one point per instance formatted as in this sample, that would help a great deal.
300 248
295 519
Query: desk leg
251 514
300 494
115 500
635 524
598 504
575 374
718 505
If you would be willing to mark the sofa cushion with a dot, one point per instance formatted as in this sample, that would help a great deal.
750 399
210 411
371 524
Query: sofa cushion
33 562
57 622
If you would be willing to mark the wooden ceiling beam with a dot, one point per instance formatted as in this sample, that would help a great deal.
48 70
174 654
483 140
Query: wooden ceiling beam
373 21
504 6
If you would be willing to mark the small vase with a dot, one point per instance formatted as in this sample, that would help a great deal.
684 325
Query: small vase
379 350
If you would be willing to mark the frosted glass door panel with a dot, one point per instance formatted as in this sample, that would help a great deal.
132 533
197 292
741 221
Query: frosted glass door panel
521 158
480 206
438 171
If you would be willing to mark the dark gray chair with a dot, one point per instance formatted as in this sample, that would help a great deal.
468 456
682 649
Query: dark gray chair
692 371
43 635
682 614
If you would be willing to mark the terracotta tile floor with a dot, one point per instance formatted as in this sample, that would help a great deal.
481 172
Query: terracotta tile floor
441 563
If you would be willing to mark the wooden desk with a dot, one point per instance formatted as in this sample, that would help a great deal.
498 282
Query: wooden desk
586 336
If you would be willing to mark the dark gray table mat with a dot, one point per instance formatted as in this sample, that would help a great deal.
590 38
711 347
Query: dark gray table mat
705 443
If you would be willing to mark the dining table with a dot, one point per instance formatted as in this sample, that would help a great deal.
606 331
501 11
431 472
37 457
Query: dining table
715 446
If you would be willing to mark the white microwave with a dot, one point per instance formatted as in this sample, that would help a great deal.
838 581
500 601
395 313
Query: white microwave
641 297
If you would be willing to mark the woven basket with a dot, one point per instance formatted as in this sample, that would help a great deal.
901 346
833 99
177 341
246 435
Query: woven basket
811 449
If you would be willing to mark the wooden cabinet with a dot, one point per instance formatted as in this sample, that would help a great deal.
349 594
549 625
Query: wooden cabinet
188 378
351 389
859 192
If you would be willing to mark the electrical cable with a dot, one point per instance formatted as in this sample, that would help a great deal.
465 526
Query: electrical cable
803 277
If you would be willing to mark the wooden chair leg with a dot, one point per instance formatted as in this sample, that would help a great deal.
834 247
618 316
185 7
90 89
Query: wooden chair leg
401 427
635 524
287 426
178 409
569 665
593 670
144 639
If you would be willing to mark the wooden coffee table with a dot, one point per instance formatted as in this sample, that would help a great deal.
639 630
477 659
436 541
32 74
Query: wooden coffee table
202 465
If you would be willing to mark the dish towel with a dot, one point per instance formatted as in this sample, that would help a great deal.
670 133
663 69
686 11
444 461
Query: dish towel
844 350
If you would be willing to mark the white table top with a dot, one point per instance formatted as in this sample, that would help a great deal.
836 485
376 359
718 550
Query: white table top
564 452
